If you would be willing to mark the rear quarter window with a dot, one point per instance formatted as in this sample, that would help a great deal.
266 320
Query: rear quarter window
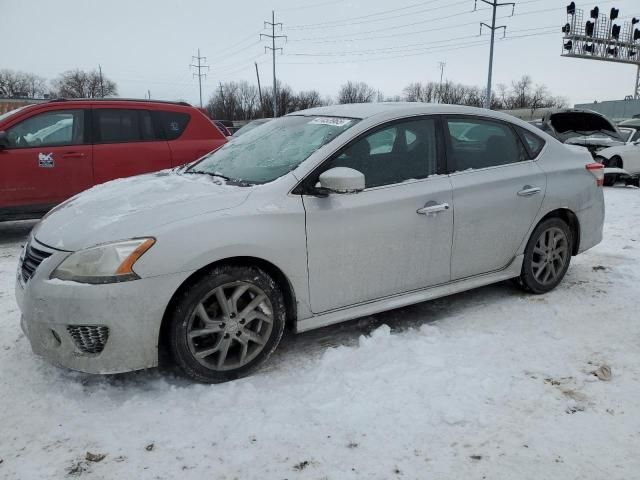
533 142
173 124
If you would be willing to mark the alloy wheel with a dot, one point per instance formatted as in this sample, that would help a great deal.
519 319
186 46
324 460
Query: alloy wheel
550 255
230 326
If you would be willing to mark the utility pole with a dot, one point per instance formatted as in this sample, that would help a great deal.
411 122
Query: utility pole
441 65
200 66
637 94
101 82
494 4
259 88
149 94
222 98
273 49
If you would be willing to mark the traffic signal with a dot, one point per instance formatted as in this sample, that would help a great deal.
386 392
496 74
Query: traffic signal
615 32
568 46
566 29
636 35
614 13
595 12
613 51
571 8
634 21
588 48
589 28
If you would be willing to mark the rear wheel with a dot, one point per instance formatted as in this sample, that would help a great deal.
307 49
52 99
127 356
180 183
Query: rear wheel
227 324
547 256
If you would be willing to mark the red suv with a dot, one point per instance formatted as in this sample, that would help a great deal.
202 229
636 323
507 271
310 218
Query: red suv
53 150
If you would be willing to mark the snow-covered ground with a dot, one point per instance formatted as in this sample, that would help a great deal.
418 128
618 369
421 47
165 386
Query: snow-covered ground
490 384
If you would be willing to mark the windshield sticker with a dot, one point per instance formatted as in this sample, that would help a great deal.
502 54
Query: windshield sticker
334 121
45 160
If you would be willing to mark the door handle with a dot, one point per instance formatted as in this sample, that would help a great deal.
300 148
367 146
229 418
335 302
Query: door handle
528 190
432 207
73 155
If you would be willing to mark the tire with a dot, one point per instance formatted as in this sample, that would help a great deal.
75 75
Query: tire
226 324
548 250
611 179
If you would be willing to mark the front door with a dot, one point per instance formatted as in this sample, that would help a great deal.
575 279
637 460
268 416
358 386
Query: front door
47 161
381 242
497 192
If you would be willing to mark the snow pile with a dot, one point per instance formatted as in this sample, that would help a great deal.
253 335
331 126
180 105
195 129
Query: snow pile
491 383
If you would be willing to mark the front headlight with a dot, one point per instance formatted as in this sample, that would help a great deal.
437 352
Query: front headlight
106 263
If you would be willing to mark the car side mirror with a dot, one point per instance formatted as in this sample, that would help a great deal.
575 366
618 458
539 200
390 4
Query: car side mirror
4 140
342 180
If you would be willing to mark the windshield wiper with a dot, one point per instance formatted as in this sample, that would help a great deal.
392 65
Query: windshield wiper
218 175
235 181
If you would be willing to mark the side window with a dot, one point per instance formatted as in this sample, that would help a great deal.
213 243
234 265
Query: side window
172 124
534 142
477 143
393 154
50 129
146 126
117 125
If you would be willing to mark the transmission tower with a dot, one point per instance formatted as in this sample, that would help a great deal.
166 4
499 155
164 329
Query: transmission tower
199 66
273 49
494 5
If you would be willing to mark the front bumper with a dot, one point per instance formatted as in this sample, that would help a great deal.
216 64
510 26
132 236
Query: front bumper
131 311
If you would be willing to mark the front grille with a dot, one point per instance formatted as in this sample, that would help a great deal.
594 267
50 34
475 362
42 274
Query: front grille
33 257
89 338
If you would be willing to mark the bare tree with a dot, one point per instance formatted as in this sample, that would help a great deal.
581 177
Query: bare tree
356 92
420 92
81 84
522 91
308 99
21 84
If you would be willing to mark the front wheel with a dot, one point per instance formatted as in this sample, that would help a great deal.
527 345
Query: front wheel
227 324
547 256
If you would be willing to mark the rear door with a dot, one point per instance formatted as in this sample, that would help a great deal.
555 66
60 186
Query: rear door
497 192
126 143
48 160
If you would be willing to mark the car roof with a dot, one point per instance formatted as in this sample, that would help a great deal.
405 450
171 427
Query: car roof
632 123
399 109
118 100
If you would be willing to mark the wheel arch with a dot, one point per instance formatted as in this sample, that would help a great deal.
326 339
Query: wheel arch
246 261
571 219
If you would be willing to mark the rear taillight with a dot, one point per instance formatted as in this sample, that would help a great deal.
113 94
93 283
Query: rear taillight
597 170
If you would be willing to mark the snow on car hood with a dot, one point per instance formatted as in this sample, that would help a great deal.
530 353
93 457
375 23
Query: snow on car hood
133 207
594 141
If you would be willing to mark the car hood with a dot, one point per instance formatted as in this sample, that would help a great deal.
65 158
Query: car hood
581 127
134 207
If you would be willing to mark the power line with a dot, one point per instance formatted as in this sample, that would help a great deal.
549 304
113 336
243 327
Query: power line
273 49
445 48
383 19
200 66
402 47
342 20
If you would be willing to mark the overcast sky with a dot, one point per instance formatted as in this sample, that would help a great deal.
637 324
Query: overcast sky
147 44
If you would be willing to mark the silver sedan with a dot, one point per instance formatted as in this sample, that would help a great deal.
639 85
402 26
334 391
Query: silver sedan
314 218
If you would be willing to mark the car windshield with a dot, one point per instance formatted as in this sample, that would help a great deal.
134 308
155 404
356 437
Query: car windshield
277 147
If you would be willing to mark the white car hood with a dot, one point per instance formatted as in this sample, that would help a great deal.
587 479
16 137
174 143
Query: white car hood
134 207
